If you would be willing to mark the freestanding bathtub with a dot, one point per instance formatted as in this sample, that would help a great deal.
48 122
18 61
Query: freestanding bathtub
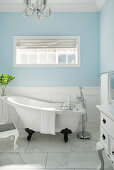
29 112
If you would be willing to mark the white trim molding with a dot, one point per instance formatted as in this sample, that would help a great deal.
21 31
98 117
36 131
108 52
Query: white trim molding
99 4
77 57
56 5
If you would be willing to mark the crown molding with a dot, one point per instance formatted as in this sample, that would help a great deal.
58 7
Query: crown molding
99 4
56 5
74 7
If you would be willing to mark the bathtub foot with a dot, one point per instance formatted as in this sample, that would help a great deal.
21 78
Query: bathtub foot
66 132
30 133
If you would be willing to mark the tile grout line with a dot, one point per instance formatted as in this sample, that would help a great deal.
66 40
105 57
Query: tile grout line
46 160
21 157
26 147
71 147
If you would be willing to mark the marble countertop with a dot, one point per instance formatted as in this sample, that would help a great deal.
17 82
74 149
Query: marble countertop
107 109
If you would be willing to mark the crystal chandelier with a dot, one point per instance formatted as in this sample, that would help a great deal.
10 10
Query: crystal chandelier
38 7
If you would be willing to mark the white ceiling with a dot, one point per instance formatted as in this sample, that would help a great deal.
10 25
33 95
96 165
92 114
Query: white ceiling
56 5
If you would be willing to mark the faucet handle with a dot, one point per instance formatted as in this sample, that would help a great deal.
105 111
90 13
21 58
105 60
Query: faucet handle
78 97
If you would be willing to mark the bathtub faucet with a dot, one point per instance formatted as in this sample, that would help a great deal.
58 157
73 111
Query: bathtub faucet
83 134
81 98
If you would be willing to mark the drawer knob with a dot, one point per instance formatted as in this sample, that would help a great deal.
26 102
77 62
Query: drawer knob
103 137
104 121
112 152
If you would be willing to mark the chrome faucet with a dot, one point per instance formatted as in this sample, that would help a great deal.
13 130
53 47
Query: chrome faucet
83 134
81 98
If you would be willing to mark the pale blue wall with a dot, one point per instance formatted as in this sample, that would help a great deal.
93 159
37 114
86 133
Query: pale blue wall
107 37
64 24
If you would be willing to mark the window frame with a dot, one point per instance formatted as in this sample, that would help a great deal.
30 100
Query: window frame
15 38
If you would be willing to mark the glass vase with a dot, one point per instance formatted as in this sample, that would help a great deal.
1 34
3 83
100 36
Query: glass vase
3 90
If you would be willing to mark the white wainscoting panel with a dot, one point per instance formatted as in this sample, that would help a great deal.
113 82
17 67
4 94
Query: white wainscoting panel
91 94
1 110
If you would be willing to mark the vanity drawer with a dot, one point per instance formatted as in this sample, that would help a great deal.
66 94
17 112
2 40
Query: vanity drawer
104 138
104 120
111 149
107 123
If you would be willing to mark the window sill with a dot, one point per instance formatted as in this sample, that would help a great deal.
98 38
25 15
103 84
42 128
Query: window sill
46 65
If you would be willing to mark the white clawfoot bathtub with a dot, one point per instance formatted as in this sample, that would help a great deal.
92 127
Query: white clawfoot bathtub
29 111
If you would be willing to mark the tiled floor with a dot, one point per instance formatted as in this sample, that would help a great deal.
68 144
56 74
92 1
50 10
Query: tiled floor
51 153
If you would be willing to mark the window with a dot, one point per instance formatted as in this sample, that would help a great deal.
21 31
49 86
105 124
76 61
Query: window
47 51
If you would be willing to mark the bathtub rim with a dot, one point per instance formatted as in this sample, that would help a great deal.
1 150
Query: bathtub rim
17 104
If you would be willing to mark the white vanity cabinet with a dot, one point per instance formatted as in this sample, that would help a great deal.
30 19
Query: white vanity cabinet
3 110
106 133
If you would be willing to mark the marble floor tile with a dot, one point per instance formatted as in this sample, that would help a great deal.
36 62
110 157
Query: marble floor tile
94 169
73 136
60 137
55 144
50 152
93 127
72 160
109 168
8 146
42 169
95 136
83 145
16 168
34 160
10 159
107 162
86 169
39 136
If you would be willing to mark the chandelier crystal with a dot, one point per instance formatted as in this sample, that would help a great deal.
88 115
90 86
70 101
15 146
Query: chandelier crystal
38 7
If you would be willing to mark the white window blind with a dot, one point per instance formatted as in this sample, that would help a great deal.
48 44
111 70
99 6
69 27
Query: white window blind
47 52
